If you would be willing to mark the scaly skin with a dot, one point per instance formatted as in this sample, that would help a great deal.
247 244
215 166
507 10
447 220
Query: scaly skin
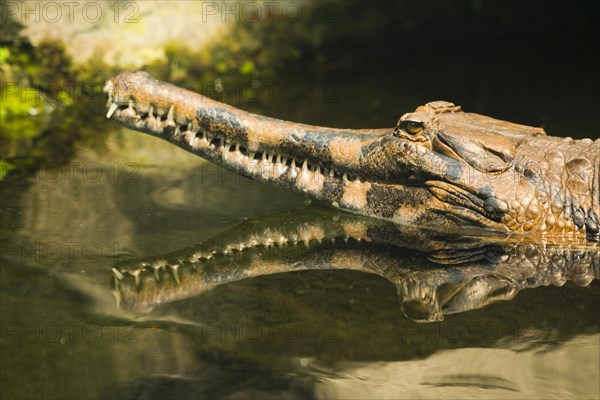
439 167
435 274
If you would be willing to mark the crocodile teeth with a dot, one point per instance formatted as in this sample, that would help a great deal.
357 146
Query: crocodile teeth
175 271
136 276
117 274
112 109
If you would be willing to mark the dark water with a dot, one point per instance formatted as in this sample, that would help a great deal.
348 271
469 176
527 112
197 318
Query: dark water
301 334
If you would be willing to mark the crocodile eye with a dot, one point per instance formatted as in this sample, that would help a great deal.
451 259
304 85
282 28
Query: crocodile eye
412 127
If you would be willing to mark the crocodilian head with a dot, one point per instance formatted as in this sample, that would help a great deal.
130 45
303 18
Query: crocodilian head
425 300
393 174
485 143
453 155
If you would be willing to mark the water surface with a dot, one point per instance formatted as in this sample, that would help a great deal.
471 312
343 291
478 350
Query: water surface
300 334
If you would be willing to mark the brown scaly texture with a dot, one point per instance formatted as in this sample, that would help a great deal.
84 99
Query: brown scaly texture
439 167
435 274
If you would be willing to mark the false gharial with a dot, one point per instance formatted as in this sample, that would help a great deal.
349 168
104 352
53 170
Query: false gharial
438 167
434 273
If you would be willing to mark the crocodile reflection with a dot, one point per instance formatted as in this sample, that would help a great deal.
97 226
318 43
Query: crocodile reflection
435 273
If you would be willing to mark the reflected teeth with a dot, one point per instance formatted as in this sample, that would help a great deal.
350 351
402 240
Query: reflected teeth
118 274
111 110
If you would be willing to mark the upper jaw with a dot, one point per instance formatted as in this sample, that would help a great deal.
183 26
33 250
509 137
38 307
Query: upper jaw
163 110
143 103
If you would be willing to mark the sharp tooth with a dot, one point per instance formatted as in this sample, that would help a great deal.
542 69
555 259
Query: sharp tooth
189 127
136 276
111 110
345 176
251 155
284 160
117 294
331 173
237 148
264 156
318 170
175 271
117 274
305 164
278 159
151 112
170 115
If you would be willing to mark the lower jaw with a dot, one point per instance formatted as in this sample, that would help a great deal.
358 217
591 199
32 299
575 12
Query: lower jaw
270 167
320 183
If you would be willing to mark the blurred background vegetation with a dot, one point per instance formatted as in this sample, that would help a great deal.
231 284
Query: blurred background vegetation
52 100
